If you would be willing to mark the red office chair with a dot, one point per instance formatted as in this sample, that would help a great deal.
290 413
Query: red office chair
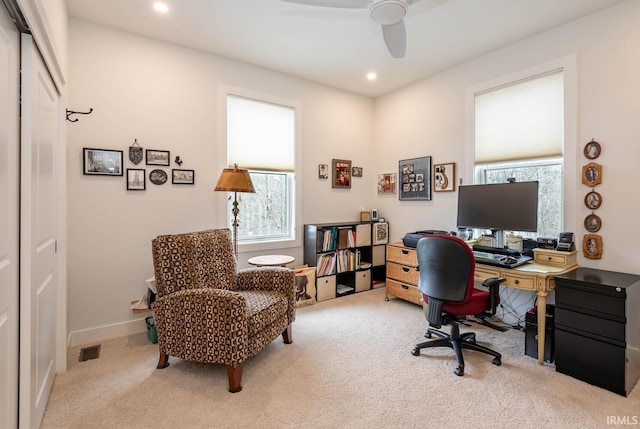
446 266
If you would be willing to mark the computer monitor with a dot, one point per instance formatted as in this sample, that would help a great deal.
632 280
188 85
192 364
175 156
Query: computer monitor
499 207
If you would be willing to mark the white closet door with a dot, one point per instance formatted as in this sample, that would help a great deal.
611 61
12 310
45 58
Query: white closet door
9 203
38 234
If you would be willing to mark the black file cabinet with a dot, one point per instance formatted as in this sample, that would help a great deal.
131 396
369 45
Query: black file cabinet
597 328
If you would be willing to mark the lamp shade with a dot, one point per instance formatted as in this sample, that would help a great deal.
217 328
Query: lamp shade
235 180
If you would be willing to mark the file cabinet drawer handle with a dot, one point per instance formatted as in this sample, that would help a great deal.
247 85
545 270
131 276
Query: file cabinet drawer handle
405 252
405 287
405 269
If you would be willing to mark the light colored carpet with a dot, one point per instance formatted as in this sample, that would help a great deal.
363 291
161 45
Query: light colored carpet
349 366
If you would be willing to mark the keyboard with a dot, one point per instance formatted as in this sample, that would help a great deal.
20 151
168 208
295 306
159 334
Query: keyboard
500 260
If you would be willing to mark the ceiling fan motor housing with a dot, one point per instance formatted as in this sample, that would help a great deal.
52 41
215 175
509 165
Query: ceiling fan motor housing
388 12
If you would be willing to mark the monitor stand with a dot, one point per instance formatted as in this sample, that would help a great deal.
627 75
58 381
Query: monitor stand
497 238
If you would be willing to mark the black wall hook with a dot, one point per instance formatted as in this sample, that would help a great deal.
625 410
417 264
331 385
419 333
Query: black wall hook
71 112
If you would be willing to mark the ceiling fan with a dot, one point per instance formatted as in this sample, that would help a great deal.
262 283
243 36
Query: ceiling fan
389 14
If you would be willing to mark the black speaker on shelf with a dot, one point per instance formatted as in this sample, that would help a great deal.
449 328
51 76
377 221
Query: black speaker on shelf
531 333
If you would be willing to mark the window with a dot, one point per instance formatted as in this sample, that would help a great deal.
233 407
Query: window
261 137
519 134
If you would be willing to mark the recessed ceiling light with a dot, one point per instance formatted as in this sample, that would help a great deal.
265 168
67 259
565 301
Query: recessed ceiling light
161 7
372 76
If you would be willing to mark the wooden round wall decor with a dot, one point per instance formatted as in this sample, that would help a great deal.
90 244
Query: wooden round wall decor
593 200
592 149
593 223
592 174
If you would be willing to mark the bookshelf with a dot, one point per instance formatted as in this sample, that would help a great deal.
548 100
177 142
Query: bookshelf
347 256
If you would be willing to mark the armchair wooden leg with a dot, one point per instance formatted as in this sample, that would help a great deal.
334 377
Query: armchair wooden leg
234 373
163 362
287 334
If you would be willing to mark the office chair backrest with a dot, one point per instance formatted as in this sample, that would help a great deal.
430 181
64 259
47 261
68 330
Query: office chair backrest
446 266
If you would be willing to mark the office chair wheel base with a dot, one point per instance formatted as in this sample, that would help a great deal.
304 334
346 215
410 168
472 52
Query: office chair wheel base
459 371
427 334
415 351
497 361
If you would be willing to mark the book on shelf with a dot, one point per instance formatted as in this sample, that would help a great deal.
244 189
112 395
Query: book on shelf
326 264
341 289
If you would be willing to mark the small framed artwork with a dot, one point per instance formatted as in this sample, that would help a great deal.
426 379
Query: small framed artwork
592 174
592 246
136 179
415 179
365 217
158 157
592 149
341 173
158 177
323 171
387 183
592 223
380 233
183 177
103 162
593 200
444 177
356 171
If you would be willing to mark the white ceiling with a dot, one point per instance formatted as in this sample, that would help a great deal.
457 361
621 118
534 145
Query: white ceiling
338 47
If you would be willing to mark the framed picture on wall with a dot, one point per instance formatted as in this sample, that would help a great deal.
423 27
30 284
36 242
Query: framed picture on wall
158 157
415 179
387 183
103 162
183 177
136 179
444 177
341 173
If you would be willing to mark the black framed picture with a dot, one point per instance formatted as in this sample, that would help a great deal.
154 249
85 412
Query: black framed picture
104 162
415 179
183 177
158 157
136 179
158 177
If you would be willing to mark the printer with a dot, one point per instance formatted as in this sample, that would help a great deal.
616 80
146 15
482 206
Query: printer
410 239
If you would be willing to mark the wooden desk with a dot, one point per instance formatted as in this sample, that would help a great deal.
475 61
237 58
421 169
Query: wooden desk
271 260
538 276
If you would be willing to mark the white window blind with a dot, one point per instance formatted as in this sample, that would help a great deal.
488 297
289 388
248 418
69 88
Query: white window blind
260 135
523 120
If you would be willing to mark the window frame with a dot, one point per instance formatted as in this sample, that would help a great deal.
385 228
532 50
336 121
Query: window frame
224 215
470 174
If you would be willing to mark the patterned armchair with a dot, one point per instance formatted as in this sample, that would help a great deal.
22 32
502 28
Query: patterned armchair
207 311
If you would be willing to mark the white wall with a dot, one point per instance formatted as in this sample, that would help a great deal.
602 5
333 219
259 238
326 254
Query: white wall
167 97
429 118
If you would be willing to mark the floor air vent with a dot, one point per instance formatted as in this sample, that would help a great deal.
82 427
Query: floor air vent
87 353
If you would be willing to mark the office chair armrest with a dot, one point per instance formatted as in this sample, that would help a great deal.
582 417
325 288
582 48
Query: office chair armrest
493 284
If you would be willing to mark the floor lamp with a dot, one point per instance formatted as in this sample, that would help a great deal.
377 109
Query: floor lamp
235 180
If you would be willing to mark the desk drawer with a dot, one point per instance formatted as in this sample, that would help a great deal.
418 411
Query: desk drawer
404 291
520 282
403 273
402 255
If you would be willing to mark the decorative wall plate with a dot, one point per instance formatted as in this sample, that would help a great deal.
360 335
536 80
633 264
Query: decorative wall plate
592 174
592 149
592 246
593 200
592 223
158 177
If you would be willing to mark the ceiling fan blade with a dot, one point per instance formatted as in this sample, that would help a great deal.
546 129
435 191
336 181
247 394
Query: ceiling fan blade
345 4
395 37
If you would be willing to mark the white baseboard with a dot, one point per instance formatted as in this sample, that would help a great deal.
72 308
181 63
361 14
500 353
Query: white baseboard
107 332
